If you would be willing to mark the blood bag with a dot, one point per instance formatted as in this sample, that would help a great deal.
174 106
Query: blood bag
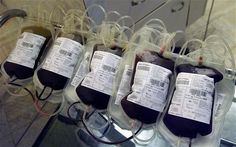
197 95
192 101
96 87
83 68
61 60
150 80
152 76
59 64
65 53
150 85
110 38
24 58
143 60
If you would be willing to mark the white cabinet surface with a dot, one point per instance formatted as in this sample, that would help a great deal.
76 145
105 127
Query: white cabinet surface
177 14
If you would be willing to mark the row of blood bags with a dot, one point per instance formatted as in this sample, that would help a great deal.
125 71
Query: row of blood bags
148 84
150 80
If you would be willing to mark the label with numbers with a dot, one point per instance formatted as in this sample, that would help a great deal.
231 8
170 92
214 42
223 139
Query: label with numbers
124 87
27 49
103 70
63 57
193 97
151 84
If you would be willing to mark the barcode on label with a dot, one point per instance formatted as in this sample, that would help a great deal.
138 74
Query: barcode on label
108 68
183 82
64 52
198 92
145 68
157 83
25 44
97 57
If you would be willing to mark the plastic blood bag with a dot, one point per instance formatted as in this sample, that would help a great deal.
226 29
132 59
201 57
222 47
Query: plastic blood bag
192 101
96 87
23 60
61 61
150 85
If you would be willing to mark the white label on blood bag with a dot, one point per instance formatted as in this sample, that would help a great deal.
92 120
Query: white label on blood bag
81 72
124 87
193 97
27 49
103 70
63 57
151 84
